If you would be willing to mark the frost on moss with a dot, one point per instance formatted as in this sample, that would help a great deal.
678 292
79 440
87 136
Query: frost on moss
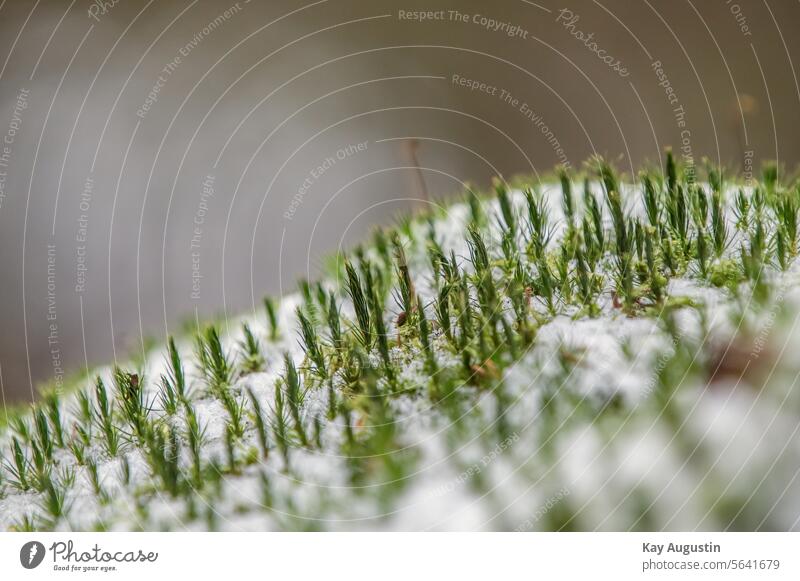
594 352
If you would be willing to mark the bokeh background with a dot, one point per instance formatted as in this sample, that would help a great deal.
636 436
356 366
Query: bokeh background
163 161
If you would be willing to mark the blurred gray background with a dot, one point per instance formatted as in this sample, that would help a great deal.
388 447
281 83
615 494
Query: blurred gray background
166 160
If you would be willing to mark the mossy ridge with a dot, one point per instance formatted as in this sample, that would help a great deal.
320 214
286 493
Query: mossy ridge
460 318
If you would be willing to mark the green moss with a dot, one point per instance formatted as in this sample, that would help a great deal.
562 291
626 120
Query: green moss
386 329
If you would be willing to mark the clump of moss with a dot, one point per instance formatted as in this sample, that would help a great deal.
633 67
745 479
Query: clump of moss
460 321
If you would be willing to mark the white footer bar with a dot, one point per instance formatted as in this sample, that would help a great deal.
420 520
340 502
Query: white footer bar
400 556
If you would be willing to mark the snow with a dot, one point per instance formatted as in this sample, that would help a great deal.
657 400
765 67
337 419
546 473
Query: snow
600 469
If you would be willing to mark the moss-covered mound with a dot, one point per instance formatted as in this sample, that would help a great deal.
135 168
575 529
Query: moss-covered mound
595 352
